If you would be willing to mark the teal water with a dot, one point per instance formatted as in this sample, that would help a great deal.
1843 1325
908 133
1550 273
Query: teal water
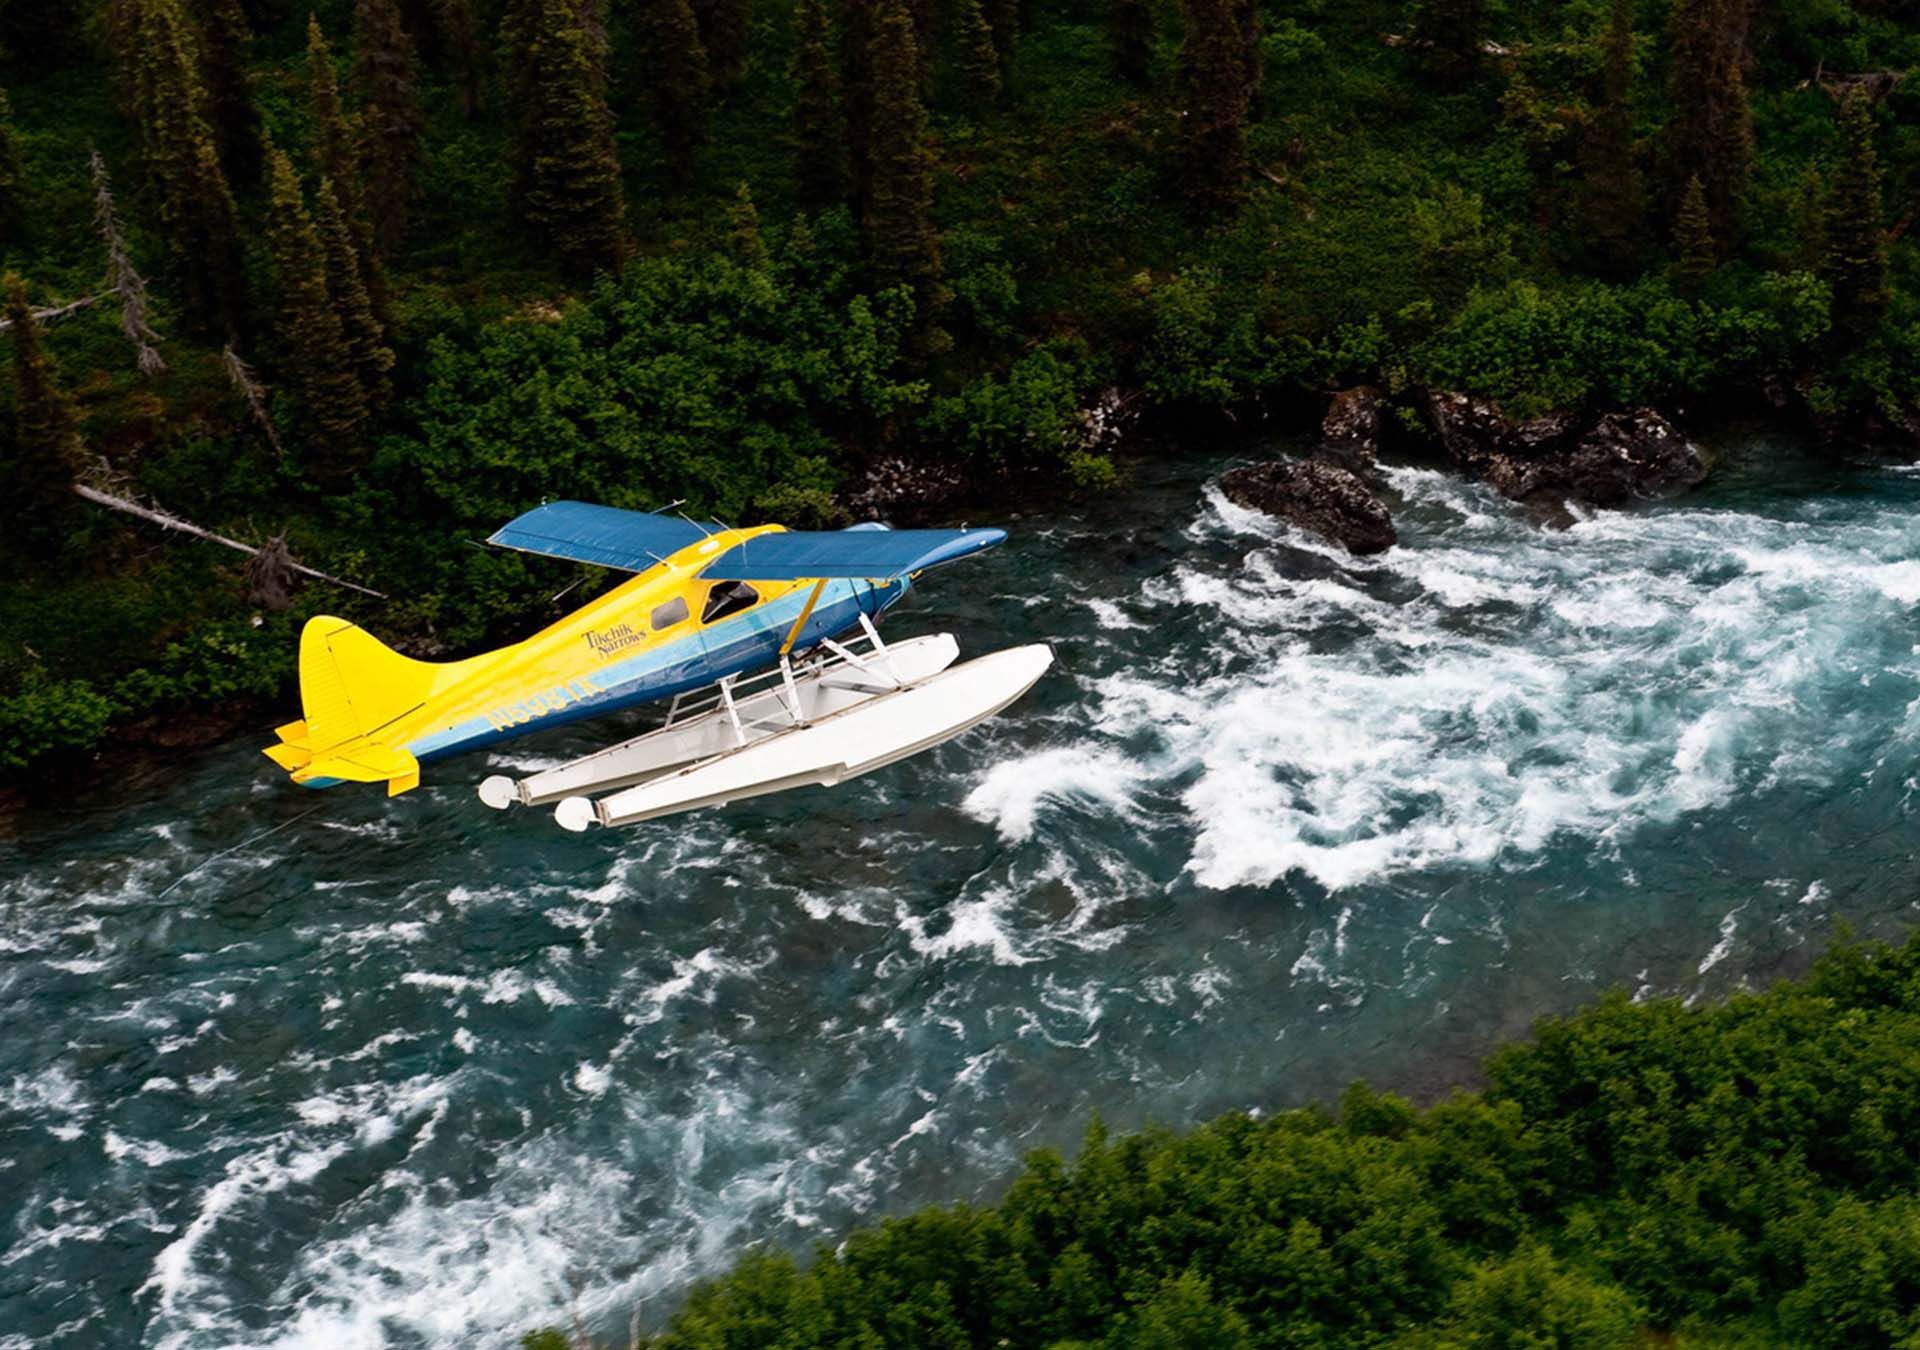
415 1073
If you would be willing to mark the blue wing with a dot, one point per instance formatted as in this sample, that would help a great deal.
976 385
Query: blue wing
876 555
604 535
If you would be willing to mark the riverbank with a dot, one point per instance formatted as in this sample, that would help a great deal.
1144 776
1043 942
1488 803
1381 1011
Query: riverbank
1739 1172
757 357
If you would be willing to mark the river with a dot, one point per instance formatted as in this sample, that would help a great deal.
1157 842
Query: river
415 1073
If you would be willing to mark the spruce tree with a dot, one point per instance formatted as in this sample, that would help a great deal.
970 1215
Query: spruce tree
1711 133
12 174
313 350
857 22
347 289
224 43
1448 34
1613 198
899 222
336 157
724 27
744 238
336 152
979 59
819 126
1130 38
1856 225
44 454
1695 255
1213 67
681 81
387 79
573 194
196 212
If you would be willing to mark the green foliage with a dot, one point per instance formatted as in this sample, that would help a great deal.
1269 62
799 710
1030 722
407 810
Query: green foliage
391 122
1215 89
1711 135
1856 232
225 39
43 715
704 377
43 455
312 342
1594 343
197 211
1697 255
572 194
1741 1173
901 238
1023 416
681 80
979 58
819 124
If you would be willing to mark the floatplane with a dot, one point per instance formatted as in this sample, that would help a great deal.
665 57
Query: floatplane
762 641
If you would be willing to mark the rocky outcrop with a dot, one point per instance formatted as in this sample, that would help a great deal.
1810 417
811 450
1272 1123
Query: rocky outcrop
1328 500
1563 457
906 491
1350 431
1107 420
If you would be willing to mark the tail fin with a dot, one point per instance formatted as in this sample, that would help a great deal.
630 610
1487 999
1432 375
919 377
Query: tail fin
352 685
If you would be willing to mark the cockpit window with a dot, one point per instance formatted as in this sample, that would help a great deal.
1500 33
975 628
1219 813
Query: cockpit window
667 615
728 597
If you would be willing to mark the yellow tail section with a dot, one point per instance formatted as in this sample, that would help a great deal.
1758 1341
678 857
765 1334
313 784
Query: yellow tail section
352 686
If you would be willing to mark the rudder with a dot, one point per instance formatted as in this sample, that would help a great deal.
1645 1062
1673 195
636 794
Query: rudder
352 684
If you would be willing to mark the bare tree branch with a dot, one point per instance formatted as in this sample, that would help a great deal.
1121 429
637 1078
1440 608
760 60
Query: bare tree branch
243 378
171 522
123 278
54 313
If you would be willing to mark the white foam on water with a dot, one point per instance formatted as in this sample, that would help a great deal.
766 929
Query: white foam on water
1494 687
1011 793
1729 925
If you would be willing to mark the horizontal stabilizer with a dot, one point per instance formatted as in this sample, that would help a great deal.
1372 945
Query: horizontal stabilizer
873 555
289 757
603 535
398 769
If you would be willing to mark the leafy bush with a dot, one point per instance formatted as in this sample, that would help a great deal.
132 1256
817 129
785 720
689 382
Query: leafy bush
691 376
44 715
1535 349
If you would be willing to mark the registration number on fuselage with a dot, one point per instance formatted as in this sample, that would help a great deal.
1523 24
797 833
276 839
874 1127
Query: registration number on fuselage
540 704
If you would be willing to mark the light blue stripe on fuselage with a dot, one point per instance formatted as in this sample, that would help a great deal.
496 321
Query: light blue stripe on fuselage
743 642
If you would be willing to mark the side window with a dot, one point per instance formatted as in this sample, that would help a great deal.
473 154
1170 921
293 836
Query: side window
728 597
667 615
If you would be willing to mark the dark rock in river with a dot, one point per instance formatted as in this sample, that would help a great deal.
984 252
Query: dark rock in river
1561 457
1350 432
1324 498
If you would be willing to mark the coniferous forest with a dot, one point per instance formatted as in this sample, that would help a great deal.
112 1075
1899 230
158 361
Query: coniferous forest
365 278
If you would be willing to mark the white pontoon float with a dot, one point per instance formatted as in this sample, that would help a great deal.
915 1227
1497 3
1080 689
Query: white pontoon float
842 711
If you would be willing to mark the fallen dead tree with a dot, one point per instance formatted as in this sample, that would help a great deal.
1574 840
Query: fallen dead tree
167 521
